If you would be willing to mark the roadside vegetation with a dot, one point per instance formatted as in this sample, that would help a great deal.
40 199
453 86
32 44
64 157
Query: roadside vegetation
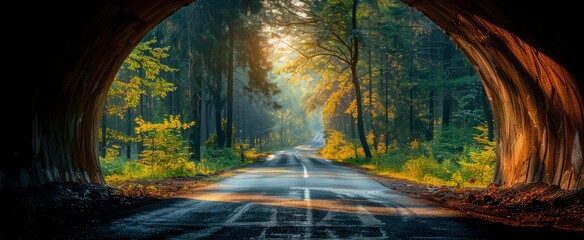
431 163
201 84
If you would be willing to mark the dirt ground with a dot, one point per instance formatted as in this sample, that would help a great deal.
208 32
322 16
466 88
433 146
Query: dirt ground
534 205
68 211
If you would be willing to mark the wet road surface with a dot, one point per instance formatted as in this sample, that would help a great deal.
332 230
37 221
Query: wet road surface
297 195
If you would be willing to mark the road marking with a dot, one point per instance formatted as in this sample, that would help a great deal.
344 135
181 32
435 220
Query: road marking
367 218
309 218
237 212
303 167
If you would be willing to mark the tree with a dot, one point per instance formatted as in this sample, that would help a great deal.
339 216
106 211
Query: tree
141 74
245 29
330 34
164 149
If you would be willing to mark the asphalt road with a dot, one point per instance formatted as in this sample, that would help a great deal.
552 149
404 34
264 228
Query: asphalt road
297 195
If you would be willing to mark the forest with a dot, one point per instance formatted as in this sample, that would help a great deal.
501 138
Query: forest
388 88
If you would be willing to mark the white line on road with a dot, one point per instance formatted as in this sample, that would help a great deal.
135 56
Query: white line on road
303 167
237 212
308 231
367 218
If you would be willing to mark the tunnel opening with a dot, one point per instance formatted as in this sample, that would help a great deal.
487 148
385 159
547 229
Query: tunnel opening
423 102
529 78
531 83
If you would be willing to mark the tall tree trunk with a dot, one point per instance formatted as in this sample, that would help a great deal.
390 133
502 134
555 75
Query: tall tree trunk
219 106
243 125
411 111
371 126
352 126
355 81
251 138
208 121
196 112
410 76
431 109
170 95
346 125
282 131
141 105
446 108
386 103
230 69
196 88
129 133
178 93
488 115
237 119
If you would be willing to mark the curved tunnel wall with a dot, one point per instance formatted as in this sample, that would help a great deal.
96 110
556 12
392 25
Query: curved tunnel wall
67 61
528 67
532 84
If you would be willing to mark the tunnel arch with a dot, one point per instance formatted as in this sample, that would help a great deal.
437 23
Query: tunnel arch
527 63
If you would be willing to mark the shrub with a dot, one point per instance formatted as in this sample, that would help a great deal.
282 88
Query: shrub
337 147
418 168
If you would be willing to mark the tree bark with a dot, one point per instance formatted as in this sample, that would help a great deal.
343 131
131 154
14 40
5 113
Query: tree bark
196 88
370 69
129 133
410 76
356 85
230 69
196 112
282 131
488 116
352 127
446 108
431 109
219 106
386 103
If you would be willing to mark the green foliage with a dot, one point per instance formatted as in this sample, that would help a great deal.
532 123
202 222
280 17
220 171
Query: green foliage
127 170
111 164
478 167
473 166
391 162
216 160
140 74
212 142
118 170
424 168
165 152
450 142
